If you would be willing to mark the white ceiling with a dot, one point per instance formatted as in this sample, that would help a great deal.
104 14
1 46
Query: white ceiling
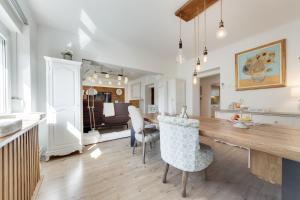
152 25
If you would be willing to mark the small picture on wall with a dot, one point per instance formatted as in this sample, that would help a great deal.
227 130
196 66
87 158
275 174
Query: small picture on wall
261 67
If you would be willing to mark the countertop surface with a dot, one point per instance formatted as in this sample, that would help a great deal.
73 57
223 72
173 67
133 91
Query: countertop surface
270 113
28 121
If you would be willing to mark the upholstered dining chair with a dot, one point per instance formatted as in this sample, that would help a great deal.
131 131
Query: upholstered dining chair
142 134
180 147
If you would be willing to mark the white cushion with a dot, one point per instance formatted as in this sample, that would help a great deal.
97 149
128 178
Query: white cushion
108 109
9 126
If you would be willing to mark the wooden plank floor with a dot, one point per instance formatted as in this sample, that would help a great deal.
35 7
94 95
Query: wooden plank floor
116 174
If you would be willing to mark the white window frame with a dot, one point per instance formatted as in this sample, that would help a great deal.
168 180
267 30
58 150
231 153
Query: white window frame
3 76
6 35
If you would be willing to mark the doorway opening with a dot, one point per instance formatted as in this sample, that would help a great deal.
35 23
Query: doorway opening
209 95
150 98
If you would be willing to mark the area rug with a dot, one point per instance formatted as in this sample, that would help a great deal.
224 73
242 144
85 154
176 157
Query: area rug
95 137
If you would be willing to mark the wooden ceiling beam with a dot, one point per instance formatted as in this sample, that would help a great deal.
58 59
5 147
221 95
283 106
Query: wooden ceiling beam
193 8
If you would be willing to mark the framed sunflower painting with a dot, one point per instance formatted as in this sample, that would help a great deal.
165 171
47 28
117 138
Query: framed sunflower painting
261 67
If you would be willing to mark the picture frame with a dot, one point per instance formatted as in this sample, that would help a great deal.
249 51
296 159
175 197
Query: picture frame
261 67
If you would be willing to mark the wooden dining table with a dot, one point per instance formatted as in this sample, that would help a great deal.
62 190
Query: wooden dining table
274 150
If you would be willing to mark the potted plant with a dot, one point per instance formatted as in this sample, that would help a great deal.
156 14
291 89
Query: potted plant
67 54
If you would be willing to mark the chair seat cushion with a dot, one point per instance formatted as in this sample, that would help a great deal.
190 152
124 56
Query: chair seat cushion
118 119
9 126
205 159
153 126
149 137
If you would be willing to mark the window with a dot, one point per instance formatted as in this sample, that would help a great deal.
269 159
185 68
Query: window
3 75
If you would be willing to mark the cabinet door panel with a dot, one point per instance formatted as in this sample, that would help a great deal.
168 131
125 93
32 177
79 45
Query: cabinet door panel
64 92
66 130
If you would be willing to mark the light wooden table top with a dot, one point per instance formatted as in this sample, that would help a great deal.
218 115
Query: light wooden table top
276 140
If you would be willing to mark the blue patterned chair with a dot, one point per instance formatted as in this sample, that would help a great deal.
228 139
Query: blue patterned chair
180 147
143 133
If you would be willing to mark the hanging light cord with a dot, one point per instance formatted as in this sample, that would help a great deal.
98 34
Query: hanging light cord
221 10
180 26
198 36
195 38
205 32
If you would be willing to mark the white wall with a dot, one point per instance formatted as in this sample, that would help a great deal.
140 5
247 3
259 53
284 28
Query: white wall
144 82
276 99
52 42
185 72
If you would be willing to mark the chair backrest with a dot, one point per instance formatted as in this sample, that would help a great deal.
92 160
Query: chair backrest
179 142
137 119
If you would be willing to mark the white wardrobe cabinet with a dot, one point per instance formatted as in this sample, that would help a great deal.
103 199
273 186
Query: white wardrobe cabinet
63 88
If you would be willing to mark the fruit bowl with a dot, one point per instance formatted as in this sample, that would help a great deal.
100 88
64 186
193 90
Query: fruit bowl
242 123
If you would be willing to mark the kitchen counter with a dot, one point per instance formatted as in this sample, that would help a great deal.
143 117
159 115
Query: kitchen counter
281 114
28 121
20 159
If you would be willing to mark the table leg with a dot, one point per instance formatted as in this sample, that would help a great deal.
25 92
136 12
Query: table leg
290 180
266 166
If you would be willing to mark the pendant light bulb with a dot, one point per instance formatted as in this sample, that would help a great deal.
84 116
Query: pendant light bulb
221 33
180 56
119 77
198 66
95 76
125 80
106 75
195 78
205 55
89 78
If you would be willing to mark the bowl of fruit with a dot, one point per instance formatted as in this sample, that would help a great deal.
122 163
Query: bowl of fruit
240 121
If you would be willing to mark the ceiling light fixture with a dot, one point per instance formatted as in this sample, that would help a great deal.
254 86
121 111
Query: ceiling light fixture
197 45
119 82
205 51
107 75
198 65
89 78
125 80
180 56
120 77
205 55
95 76
221 33
195 78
